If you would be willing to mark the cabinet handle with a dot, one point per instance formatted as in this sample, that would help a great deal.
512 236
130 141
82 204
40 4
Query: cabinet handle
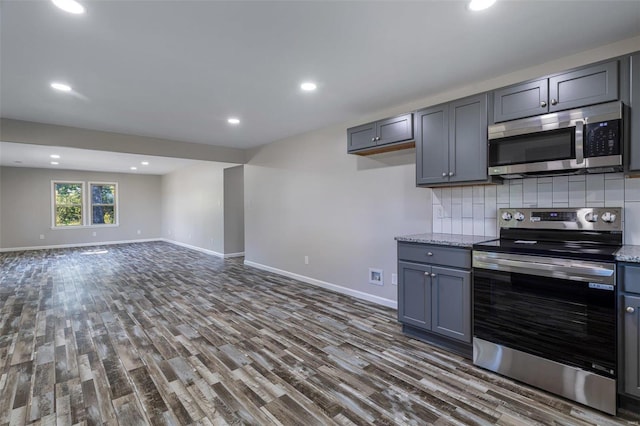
630 309
433 275
543 104
429 254
373 139
426 274
444 174
451 173
378 138
554 102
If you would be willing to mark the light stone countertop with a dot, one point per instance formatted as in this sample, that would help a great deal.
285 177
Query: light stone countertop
453 240
628 253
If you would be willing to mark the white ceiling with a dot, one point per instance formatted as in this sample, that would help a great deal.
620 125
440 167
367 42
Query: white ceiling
38 156
178 69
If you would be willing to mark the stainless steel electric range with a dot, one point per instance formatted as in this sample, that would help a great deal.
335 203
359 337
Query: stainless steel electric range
544 301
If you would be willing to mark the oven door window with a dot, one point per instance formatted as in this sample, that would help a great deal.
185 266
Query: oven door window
533 148
566 321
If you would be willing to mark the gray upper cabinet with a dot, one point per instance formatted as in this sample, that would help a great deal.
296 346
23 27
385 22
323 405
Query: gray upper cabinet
380 135
572 89
451 142
634 122
521 100
587 86
361 137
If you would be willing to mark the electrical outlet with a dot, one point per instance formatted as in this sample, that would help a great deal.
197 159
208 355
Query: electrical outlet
394 279
93 233
139 232
42 236
306 260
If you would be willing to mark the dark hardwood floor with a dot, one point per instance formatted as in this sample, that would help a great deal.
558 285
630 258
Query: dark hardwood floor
153 333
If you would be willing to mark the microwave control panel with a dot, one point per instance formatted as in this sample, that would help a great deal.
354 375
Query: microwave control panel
602 139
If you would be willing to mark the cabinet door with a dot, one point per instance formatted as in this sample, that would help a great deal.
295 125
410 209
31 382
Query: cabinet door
521 100
414 295
586 86
361 137
396 129
634 131
432 145
468 149
451 303
631 345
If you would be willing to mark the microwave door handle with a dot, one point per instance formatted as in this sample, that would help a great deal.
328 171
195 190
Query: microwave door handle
579 141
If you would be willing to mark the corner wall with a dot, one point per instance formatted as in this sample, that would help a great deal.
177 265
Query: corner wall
234 210
192 207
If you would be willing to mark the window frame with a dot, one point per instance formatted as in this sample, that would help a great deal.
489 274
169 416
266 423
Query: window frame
116 205
54 205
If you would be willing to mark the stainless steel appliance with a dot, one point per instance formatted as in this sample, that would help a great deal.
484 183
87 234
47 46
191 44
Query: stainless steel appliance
567 142
544 301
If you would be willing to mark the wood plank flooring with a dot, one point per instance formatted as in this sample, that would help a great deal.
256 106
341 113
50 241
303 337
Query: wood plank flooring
153 333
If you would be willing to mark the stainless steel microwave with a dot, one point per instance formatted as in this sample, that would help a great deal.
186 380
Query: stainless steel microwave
567 142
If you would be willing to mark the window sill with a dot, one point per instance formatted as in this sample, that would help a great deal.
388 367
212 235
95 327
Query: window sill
62 228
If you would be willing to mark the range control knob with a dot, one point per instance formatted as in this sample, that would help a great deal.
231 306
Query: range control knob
518 216
608 217
506 216
591 217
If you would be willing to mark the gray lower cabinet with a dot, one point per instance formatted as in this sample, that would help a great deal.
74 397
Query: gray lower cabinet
451 142
634 122
435 299
631 343
371 137
629 321
584 86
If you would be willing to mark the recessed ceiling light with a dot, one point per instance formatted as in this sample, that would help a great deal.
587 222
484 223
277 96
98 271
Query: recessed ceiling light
308 86
61 87
233 120
476 5
54 156
145 163
55 163
70 6
133 168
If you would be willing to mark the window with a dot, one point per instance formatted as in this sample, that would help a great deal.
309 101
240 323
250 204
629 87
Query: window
67 204
104 205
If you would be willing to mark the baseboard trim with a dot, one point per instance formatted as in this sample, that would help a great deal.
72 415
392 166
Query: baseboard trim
59 246
329 286
239 254
196 248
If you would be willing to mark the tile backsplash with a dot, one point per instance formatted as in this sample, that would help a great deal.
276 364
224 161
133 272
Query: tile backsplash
472 210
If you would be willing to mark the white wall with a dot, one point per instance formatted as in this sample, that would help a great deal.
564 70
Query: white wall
472 210
192 206
25 204
305 196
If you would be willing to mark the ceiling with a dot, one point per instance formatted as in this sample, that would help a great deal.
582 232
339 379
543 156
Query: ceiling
39 156
179 69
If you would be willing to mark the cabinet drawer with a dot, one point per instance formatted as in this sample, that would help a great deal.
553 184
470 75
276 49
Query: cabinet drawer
435 255
630 278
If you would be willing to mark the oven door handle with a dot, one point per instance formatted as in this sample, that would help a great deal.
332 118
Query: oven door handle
574 271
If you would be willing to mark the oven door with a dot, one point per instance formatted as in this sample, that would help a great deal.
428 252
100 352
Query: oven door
558 309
